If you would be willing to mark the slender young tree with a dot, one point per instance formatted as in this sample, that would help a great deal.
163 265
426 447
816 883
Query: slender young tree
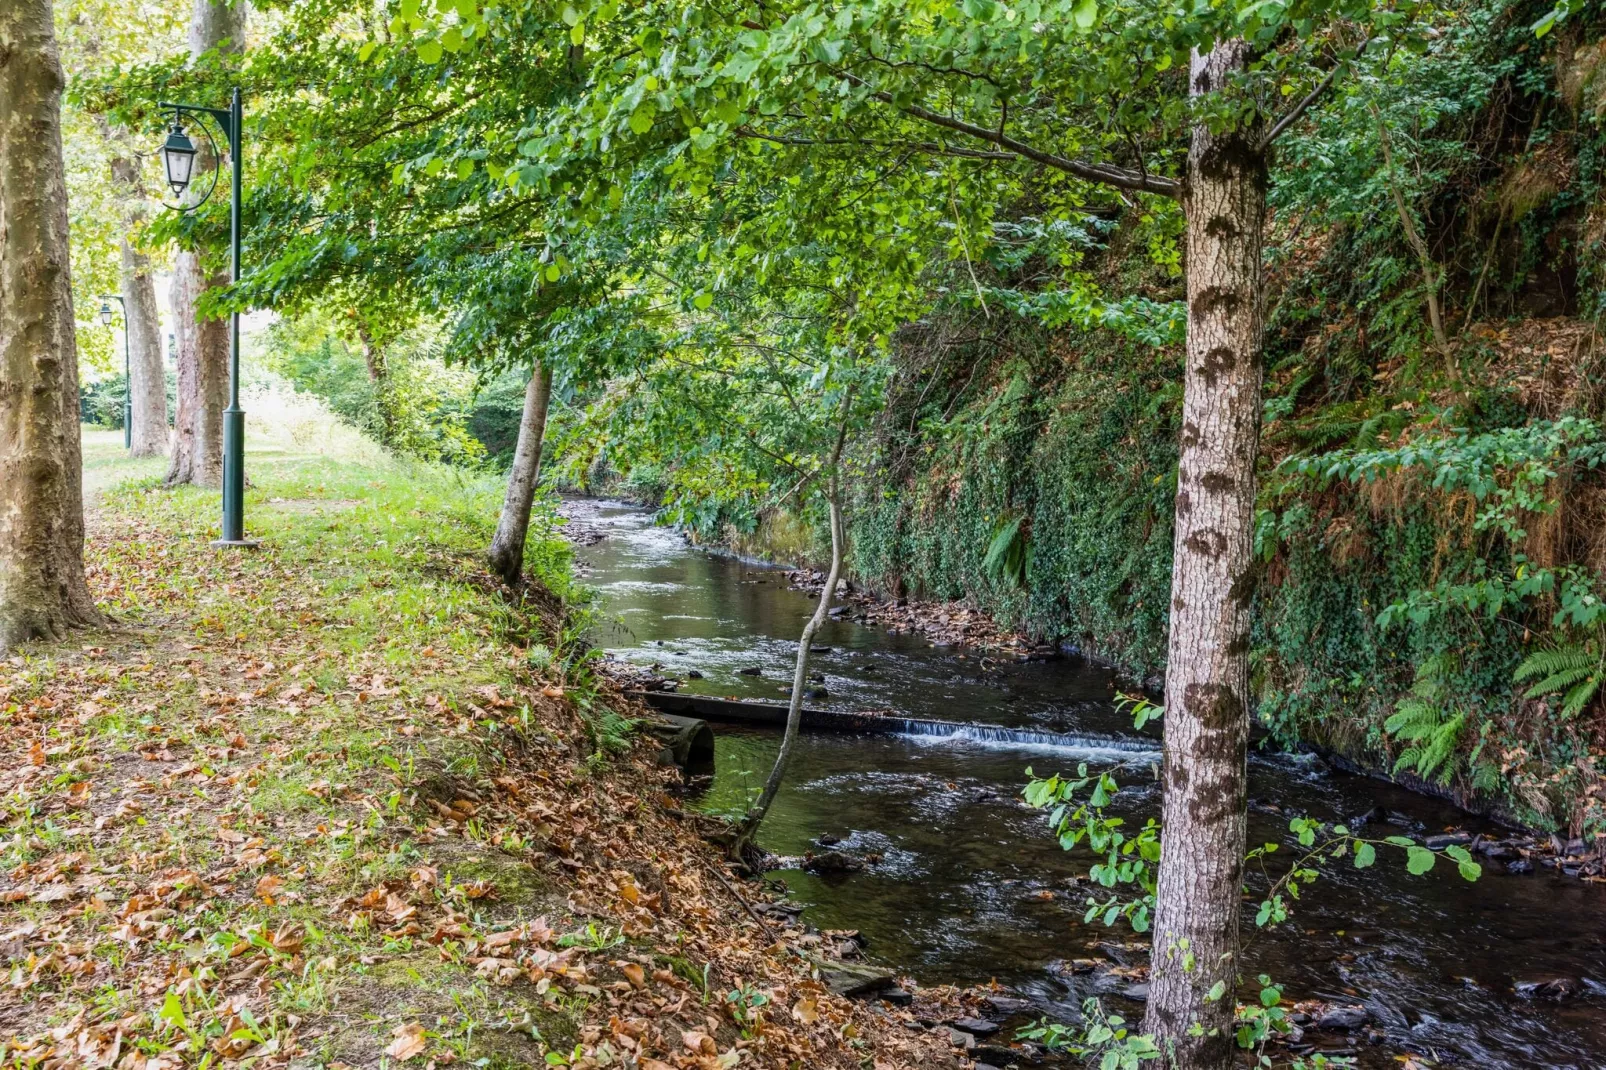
43 592
506 554
203 343
748 827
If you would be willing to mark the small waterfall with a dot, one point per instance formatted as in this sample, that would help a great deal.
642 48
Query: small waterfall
1093 748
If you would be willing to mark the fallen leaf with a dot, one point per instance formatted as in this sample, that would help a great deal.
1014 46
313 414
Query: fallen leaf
806 1011
409 1041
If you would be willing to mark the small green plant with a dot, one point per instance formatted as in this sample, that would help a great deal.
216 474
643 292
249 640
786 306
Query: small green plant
593 938
1431 724
1573 670
1143 711
746 1006
1009 554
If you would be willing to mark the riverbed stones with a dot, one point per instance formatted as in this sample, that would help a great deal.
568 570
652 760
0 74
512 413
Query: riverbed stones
1342 1019
980 1027
830 862
1548 989
1447 839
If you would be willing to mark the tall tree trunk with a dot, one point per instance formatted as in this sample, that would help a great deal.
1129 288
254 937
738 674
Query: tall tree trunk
203 381
1207 673
506 554
747 828
203 345
147 379
147 383
43 592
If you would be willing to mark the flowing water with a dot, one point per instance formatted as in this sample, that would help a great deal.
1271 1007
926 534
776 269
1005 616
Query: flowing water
971 888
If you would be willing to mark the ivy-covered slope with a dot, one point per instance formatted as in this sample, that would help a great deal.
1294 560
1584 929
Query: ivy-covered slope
1432 516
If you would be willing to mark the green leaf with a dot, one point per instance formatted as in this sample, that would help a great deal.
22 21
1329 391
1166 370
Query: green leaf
365 51
1401 841
702 301
577 34
1418 860
435 166
1469 870
553 273
571 17
641 119
464 168
1085 14
429 52
1365 855
1217 990
173 1010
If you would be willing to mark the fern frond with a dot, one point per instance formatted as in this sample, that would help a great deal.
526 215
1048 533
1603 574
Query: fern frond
1579 697
1559 681
1554 661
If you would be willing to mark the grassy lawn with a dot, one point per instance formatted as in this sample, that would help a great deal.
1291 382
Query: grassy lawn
341 802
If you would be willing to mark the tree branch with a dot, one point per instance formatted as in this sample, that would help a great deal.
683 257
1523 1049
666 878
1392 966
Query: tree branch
1310 98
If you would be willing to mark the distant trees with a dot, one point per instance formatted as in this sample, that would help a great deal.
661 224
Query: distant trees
43 592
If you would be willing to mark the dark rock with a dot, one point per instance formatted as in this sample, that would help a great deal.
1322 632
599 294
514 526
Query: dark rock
817 677
1376 813
828 840
1447 839
997 1055
1394 817
821 650
751 670
1499 852
980 1027
960 1039
1342 1019
1521 865
898 997
1575 848
1139 993
833 862
1006 1006
816 692
693 674
1553 989
851 979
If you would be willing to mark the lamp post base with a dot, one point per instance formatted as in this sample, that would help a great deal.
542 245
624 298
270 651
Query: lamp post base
235 544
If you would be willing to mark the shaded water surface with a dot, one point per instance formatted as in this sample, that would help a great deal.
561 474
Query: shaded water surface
971 887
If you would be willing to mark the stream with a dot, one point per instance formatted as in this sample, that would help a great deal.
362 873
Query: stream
971 888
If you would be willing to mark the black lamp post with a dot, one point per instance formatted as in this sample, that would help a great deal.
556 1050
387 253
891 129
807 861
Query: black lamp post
128 386
178 166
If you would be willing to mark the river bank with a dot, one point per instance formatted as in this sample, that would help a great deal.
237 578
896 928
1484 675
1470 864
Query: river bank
338 803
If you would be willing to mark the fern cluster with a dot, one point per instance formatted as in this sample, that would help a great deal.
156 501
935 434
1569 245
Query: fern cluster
1572 671
1432 725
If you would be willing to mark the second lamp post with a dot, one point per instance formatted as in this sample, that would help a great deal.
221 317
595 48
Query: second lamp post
178 163
128 366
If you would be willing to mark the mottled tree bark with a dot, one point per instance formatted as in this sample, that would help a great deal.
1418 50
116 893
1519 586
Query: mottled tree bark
147 382
203 345
506 554
43 592
1207 669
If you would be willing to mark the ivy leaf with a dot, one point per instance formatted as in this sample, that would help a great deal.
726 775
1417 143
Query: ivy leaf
1418 860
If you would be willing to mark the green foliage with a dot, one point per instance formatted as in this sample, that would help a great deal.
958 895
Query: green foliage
1573 671
417 406
1432 723
1009 554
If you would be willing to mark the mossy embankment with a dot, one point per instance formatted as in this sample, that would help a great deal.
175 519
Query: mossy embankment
341 802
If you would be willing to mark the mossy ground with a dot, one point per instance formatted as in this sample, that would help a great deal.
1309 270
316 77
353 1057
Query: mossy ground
313 804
